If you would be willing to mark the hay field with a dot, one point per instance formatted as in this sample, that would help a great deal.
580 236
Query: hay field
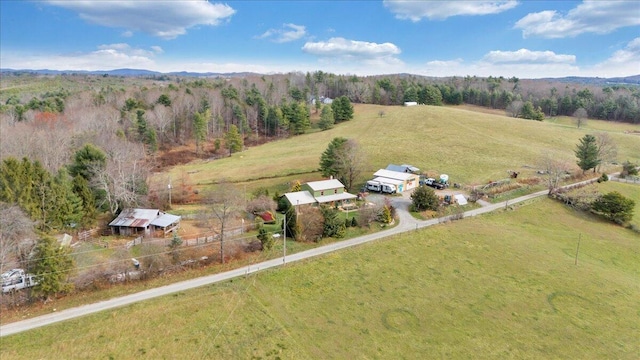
503 285
472 147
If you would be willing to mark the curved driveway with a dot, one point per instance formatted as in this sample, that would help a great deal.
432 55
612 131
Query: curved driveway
407 223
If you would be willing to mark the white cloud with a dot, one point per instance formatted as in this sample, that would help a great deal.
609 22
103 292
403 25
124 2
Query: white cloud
289 32
623 62
106 57
127 34
157 49
165 19
341 47
458 67
356 57
440 9
525 56
598 17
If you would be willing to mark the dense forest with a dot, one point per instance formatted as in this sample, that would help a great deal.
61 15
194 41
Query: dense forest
86 143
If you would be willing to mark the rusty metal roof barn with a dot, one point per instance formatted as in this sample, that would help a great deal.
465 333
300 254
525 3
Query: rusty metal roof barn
138 218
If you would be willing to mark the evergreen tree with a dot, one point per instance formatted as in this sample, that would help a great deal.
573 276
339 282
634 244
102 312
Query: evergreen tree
200 128
587 153
52 264
233 140
329 164
424 198
151 140
326 118
141 125
87 160
298 118
174 247
292 229
82 189
332 226
342 109
615 207
265 239
65 207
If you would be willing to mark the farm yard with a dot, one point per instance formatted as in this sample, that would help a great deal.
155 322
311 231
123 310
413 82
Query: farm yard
491 285
320 180
500 285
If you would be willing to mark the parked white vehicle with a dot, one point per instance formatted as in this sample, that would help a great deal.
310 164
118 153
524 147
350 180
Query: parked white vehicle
17 279
377 186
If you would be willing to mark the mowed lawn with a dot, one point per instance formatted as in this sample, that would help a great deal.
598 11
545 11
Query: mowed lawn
472 147
502 285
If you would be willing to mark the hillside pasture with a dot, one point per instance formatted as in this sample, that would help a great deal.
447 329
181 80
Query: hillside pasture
472 147
502 285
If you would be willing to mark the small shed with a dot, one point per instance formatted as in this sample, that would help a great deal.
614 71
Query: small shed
166 223
410 103
460 199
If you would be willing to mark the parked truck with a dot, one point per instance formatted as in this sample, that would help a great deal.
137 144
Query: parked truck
17 279
441 183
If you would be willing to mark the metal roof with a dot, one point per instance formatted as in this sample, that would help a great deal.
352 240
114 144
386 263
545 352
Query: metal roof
300 198
402 168
139 218
335 197
165 220
394 174
325 184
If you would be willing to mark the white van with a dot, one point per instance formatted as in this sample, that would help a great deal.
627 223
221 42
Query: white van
374 186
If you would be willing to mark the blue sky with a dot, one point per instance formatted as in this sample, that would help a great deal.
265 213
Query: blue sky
526 39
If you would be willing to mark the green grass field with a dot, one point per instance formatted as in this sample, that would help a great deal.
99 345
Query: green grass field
502 285
471 147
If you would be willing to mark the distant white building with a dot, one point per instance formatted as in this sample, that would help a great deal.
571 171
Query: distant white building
323 100
410 103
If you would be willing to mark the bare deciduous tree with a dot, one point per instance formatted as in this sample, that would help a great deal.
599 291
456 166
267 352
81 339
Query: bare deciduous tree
607 149
555 169
224 201
580 117
123 178
350 162
16 236
515 108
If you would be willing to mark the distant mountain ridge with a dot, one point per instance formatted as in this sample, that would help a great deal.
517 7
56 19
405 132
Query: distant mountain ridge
631 80
122 72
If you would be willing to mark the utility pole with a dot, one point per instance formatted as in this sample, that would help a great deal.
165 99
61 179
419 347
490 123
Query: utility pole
284 240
